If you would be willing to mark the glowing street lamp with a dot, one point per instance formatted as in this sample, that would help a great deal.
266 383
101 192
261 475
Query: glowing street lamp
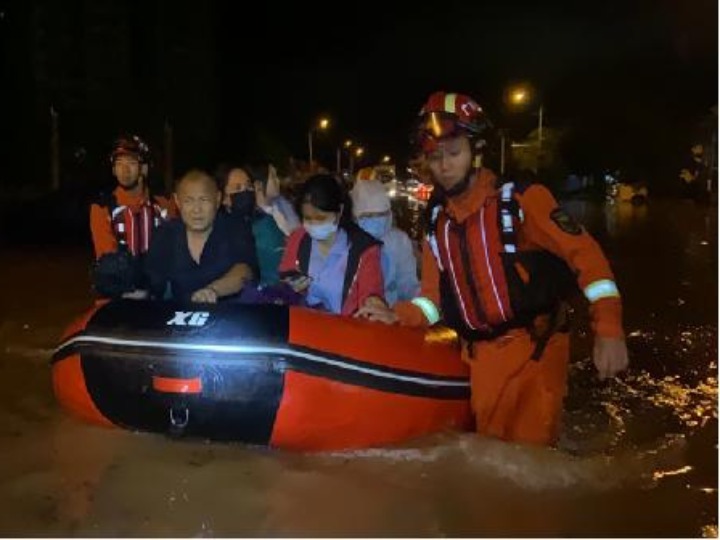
323 124
519 96
386 159
354 151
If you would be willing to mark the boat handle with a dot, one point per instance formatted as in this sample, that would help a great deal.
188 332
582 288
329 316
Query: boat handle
177 386
179 417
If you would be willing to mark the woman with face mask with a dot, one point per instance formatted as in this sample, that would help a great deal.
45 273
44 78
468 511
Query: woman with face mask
251 194
330 259
371 207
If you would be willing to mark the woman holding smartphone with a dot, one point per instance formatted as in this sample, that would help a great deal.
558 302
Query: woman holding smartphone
331 260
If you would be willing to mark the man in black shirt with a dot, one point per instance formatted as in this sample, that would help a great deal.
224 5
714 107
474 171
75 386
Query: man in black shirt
201 257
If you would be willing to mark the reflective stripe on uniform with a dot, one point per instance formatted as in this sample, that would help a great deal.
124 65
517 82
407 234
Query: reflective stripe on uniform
428 308
506 191
506 218
603 288
432 238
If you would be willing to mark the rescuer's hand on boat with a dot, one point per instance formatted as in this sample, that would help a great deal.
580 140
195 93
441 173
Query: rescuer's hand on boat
610 356
374 309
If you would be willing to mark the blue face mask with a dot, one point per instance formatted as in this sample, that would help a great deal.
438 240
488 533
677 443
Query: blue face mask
321 231
376 226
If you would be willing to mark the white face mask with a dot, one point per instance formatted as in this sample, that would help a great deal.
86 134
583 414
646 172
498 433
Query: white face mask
321 231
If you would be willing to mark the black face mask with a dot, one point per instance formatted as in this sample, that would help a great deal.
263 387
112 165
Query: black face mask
243 203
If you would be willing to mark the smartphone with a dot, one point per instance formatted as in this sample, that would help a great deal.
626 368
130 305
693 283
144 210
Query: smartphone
293 275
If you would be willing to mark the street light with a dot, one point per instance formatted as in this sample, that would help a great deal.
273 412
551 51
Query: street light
354 151
386 159
347 145
322 124
518 96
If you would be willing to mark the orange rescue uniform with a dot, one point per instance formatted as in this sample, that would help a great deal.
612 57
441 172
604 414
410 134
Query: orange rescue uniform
516 398
101 226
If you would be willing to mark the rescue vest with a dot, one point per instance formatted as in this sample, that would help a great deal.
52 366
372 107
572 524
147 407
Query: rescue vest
487 285
133 226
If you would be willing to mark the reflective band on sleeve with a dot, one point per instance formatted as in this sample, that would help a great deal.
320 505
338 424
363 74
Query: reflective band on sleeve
428 308
603 288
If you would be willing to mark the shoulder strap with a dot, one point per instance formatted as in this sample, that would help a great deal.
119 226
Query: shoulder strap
431 236
508 211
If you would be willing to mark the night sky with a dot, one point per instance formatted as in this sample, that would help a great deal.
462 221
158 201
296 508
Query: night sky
628 81
591 62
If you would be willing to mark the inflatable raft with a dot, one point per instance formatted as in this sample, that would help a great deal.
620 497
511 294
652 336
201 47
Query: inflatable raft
285 377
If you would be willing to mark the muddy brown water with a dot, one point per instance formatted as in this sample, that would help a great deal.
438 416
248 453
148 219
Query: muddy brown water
638 456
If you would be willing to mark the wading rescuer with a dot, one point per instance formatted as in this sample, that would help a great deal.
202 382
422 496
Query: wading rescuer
498 259
122 221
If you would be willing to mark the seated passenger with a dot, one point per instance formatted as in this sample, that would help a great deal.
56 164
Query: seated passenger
252 194
122 222
331 260
200 257
371 207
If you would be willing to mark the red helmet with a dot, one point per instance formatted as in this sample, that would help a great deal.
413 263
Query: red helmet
449 115
130 145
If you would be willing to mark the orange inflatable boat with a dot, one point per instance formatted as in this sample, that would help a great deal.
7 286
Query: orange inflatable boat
286 377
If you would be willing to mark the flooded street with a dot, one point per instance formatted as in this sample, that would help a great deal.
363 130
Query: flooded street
638 455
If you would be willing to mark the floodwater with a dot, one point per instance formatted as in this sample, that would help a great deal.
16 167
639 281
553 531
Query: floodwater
638 455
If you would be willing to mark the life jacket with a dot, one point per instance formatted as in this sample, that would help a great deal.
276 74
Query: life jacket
488 285
359 242
133 226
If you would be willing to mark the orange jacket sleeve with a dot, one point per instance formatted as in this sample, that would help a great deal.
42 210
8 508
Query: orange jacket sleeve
410 313
547 226
104 240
